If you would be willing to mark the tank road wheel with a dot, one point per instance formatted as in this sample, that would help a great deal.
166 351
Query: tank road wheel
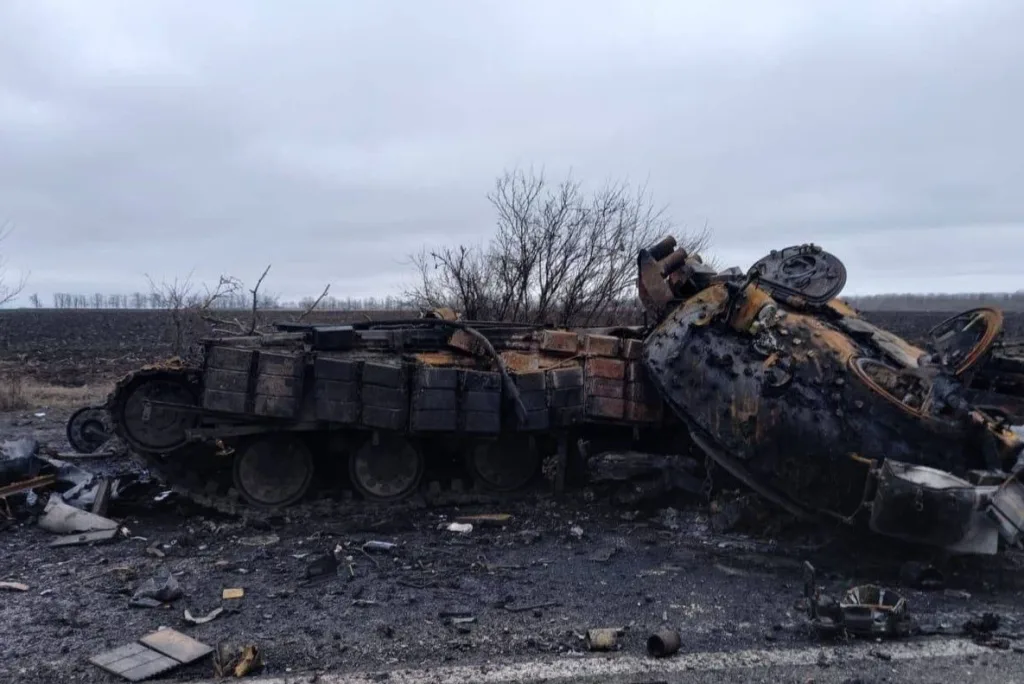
273 472
387 468
158 429
88 429
505 464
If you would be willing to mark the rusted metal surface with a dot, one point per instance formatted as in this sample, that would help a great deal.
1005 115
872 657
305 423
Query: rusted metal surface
795 395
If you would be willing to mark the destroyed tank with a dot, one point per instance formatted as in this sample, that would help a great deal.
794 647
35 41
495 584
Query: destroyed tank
433 407
765 372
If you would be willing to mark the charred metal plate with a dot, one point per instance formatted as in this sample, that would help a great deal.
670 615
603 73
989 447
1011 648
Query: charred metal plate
564 378
384 374
480 421
134 662
531 382
385 397
806 272
337 411
334 338
229 402
174 644
337 390
436 378
480 381
290 365
482 401
425 420
337 369
564 398
536 420
434 399
228 358
385 418
279 385
534 401
226 381
277 407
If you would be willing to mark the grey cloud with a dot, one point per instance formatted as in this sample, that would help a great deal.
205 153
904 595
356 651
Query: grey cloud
333 138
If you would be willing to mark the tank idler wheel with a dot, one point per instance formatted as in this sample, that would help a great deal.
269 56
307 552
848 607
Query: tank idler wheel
273 472
88 429
386 467
158 429
505 464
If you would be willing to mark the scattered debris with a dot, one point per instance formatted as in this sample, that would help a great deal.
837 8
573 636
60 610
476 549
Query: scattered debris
459 528
322 566
212 615
163 588
153 654
603 639
85 538
237 661
60 518
485 519
13 586
663 643
233 593
260 540
867 610
379 546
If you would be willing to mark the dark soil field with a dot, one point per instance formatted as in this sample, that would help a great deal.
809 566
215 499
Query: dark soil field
79 347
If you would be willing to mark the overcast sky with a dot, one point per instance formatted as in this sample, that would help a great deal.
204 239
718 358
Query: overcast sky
333 138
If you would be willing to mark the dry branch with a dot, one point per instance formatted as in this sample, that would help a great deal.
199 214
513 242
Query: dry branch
559 255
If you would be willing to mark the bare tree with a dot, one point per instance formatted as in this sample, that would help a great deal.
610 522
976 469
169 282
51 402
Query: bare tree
186 307
559 255
34 301
9 292
256 324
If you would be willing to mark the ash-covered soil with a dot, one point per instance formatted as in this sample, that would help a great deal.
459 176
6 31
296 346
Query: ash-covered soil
532 587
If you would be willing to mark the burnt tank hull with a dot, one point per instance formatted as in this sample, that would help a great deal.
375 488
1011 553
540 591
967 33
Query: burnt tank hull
383 412
766 372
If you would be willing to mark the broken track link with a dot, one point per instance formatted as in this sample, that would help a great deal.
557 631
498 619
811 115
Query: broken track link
195 472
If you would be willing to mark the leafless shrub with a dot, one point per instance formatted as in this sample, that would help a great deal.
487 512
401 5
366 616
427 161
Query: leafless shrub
12 393
559 255
189 309
186 307
8 291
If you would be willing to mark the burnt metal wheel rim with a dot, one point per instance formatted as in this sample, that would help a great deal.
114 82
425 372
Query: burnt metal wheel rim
388 470
505 464
88 429
157 428
273 472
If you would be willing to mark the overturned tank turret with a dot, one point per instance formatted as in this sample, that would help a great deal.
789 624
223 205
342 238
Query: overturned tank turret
823 413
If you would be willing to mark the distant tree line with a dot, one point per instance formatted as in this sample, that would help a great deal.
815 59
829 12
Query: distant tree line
234 302
1007 301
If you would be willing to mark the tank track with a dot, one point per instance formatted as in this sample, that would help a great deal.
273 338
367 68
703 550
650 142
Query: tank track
188 472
